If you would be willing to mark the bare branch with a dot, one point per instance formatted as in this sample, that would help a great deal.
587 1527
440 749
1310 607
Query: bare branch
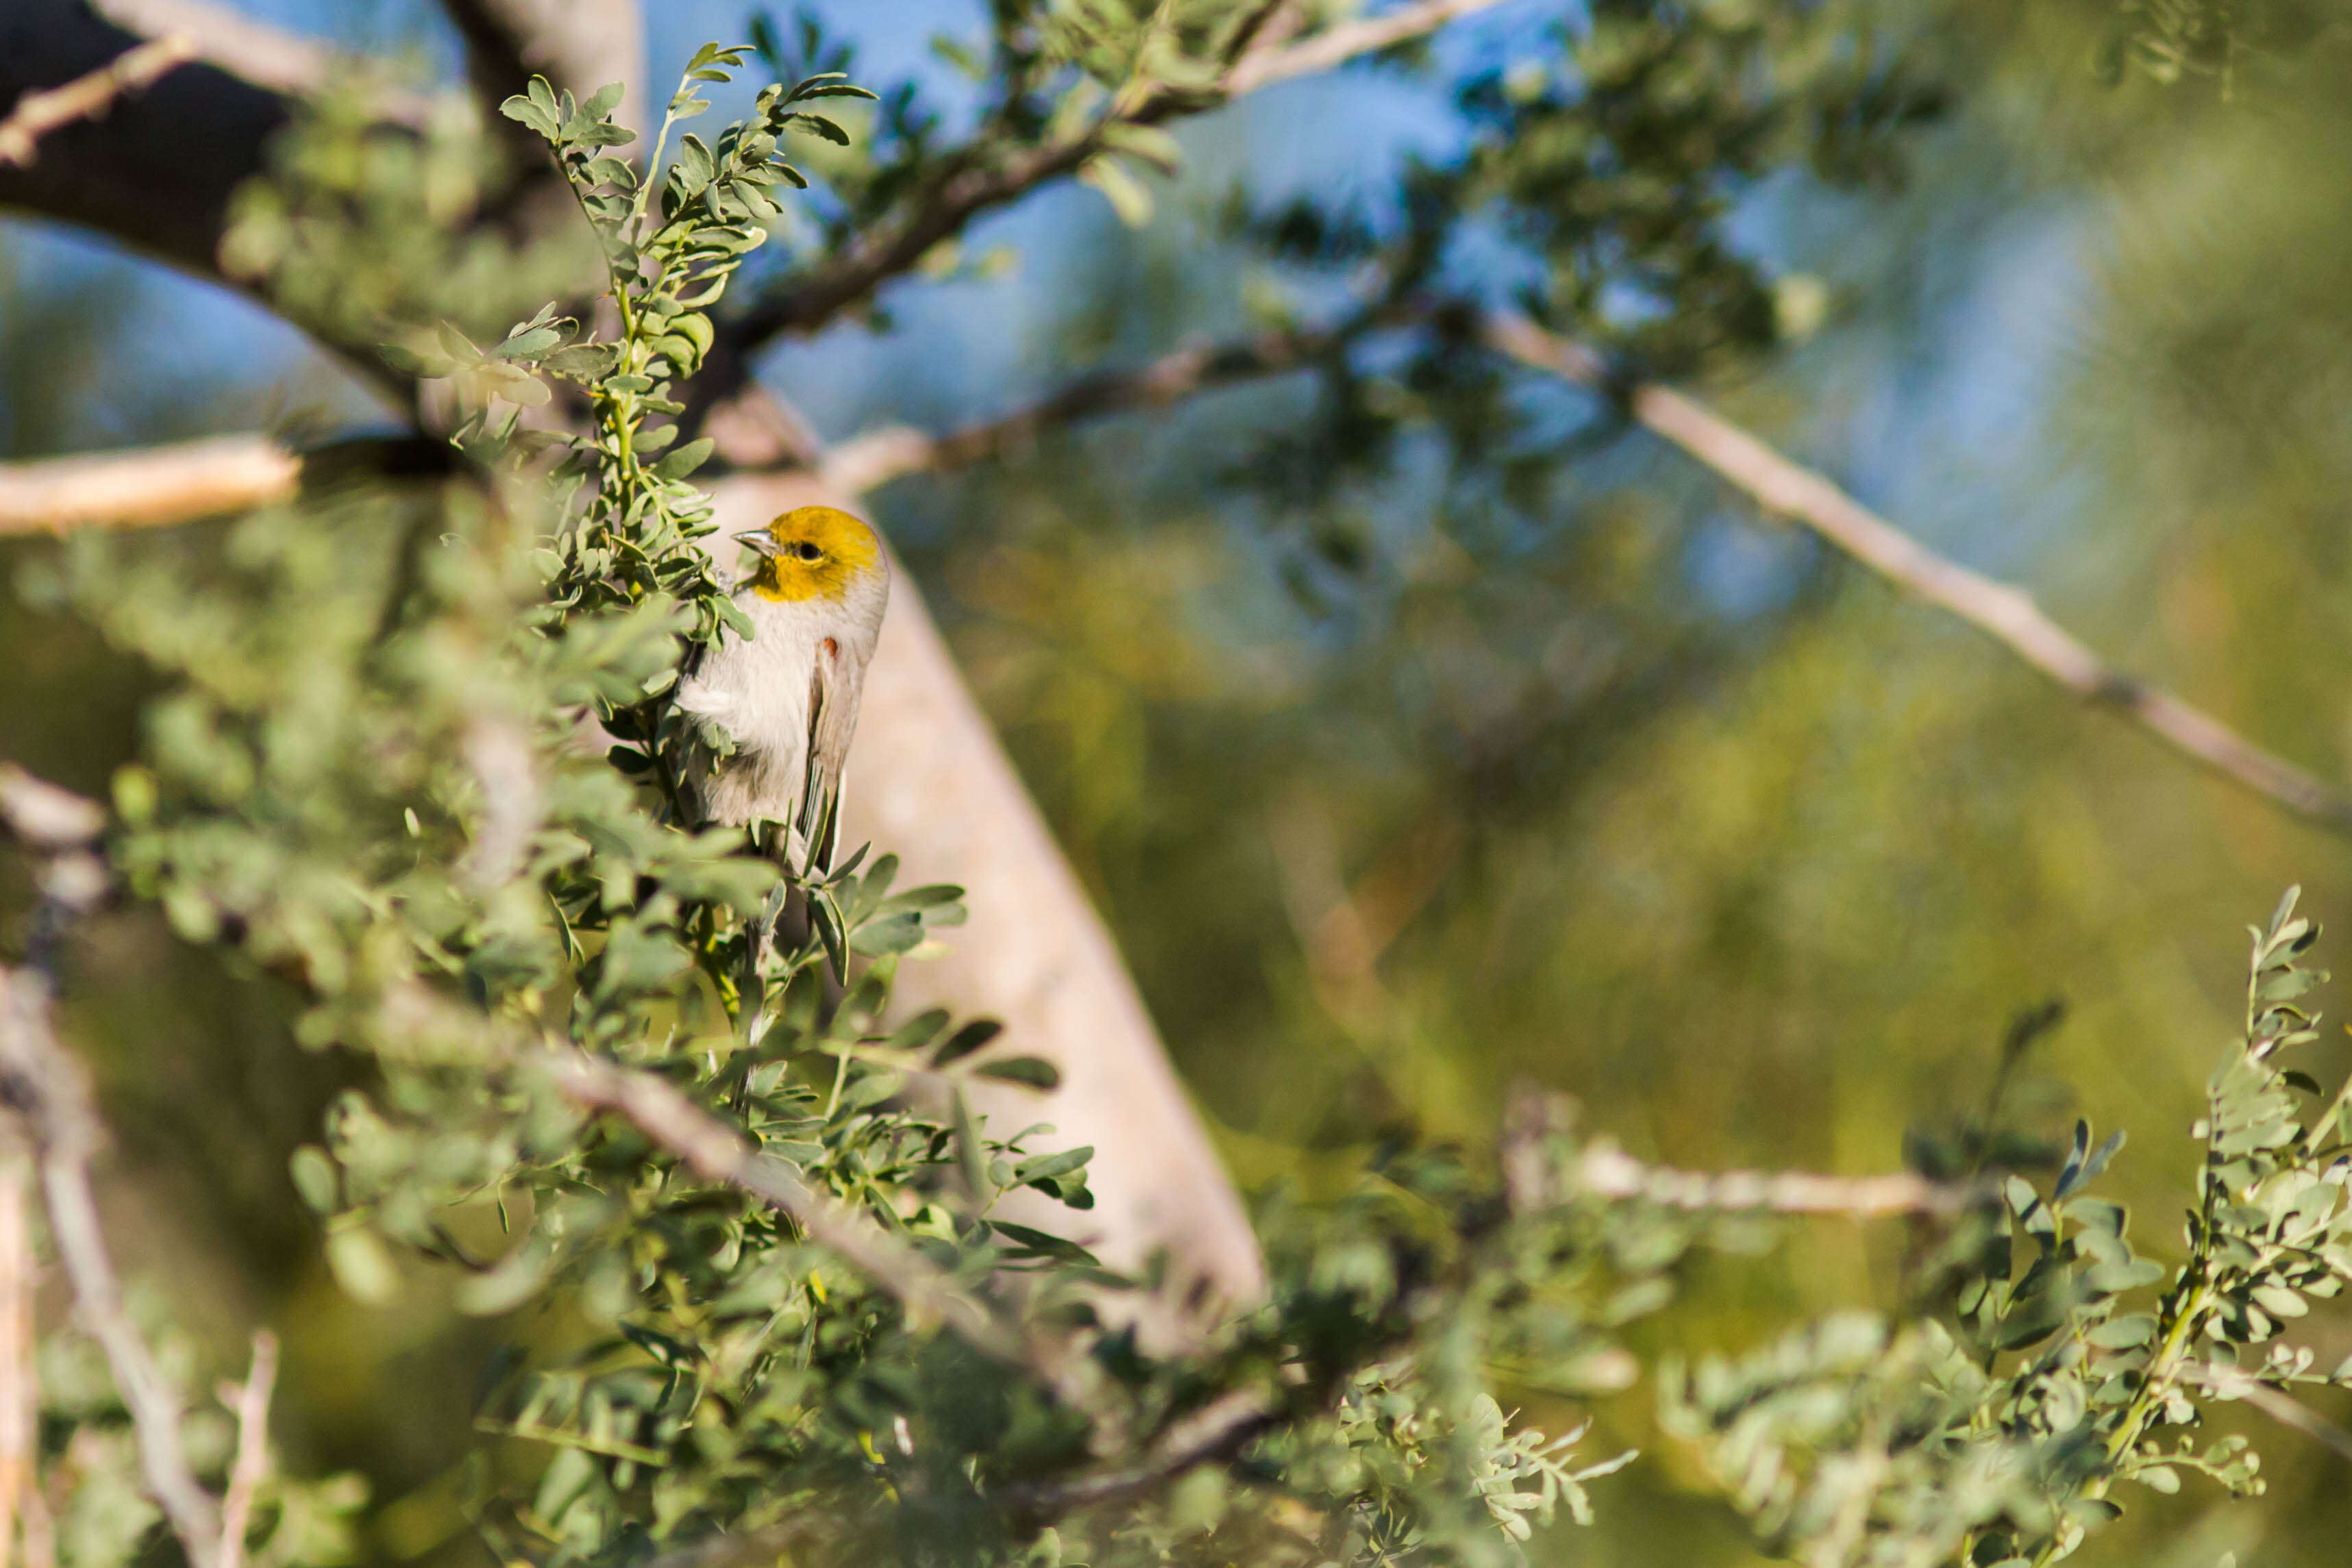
1335 46
234 43
44 817
1605 1170
2229 1382
869 462
1217 1431
86 97
716 1152
250 1400
154 486
49 1091
2002 613
19 1391
577 45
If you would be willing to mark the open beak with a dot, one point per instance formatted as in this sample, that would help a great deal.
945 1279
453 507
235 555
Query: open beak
760 540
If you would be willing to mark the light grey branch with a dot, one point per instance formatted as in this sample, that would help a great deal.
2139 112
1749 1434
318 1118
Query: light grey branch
871 461
1335 46
716 1152
1606 1171
2229 1382
86 97
2004 614
227 38
250 1400
19 1390
152 487
47 1088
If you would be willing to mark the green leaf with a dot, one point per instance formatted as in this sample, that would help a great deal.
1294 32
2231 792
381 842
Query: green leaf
686 459
314 1178
967 1039
1032 1072
529 112
1042 1241
819 126
2123 1333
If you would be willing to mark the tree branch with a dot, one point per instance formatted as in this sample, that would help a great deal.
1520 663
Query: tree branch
2000 612
230 41
716 1152
1335 46
151 487
577 45
250 1400
1604 1170
1218 1431
2229 1382
19 1390
86 97
974 186
44 1086
869 462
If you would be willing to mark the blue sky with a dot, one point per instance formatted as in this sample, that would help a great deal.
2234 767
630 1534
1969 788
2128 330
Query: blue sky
1937 424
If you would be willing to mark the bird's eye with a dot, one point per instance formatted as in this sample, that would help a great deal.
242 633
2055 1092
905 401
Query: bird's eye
803 550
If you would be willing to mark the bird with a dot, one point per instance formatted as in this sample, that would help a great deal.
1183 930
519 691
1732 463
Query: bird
785 698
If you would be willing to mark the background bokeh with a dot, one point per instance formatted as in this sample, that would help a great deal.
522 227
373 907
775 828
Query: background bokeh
1634 794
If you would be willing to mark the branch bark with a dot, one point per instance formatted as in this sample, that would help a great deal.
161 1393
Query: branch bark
48 1089
577 45
716 1152
250 1400
154 486
158 173
871 461
2004 614
19 1391
1604 1170
86 98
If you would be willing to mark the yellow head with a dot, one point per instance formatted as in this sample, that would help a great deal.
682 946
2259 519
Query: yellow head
811 552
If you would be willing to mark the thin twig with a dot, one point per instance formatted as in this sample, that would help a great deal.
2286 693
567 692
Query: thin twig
977 186
866 463
47 1088
716 1152
1218 1431
2002 613
19 1390
1336 46
151 487
250 1400
1605 1170
86 97
2228 1382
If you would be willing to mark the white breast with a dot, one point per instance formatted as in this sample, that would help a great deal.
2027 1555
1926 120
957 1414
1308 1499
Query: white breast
758 692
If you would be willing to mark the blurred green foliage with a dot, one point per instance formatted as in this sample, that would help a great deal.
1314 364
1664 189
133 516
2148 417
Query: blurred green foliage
1409 763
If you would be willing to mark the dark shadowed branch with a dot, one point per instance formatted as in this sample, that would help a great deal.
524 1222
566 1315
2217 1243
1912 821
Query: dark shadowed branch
970 186
869 462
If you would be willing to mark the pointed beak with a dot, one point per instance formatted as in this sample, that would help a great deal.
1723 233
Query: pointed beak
761 540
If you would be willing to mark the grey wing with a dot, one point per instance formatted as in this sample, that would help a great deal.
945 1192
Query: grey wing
834 685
